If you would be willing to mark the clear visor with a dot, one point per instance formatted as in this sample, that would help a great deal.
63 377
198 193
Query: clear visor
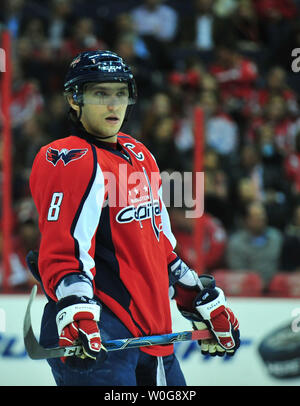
105 96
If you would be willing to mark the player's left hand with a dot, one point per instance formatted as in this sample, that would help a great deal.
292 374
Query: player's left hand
212 346
209 346
220 320
201 301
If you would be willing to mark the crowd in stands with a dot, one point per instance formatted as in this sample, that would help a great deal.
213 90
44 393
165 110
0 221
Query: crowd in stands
233 58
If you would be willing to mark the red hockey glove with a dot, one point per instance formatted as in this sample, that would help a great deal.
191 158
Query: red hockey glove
211 305
199 300
209 346
76 321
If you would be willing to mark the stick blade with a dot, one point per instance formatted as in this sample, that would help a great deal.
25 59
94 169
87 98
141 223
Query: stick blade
28 334
30 342
32 346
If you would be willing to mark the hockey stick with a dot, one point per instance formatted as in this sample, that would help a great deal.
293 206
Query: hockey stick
36 351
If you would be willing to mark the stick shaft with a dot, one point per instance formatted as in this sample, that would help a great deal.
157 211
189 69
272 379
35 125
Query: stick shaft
36 351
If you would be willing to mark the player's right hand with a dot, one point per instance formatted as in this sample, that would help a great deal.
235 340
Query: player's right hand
76 321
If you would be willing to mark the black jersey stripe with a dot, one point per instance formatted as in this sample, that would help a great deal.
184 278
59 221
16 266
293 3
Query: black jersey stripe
107 278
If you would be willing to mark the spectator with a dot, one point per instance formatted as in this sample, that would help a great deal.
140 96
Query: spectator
26 212
255 246
253 179
124 26
83 38
217 191
244 27
161 143
188 79
276 116
32 137
154 19
269 151
28 236
59 22
35 52
221 132
160 106
143 69
156 24
275 10
236 76
18 187
224 8
27 99
292 167
290 259
20 277
275 17
12 13
209 82
185 84
55 122
214 243
276 85
199 30
184 88
246 193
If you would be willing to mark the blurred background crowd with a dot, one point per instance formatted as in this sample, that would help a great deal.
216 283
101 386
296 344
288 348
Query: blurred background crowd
234 59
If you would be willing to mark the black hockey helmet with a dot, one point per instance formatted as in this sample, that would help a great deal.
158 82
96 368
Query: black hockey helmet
98 66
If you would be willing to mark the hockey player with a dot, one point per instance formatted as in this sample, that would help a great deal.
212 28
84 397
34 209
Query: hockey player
106 258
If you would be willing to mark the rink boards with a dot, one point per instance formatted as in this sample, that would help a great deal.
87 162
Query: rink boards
257 316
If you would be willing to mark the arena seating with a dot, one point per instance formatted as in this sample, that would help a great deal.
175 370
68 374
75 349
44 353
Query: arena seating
285 284
245 283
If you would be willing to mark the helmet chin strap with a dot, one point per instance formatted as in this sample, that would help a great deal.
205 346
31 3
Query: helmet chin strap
80 112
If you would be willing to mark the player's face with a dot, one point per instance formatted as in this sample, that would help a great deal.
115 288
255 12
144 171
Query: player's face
104 109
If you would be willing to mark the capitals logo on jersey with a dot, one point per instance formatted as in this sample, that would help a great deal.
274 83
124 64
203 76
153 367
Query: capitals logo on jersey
147 207
66 155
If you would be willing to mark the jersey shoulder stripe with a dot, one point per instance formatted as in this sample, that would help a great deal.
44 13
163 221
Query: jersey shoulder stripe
87 218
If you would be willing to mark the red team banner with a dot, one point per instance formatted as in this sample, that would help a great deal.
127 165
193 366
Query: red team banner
6 215
198 168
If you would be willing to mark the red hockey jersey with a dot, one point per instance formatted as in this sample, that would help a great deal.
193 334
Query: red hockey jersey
101 214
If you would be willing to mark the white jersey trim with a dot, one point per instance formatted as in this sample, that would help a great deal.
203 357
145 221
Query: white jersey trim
160 373
166 224
88 222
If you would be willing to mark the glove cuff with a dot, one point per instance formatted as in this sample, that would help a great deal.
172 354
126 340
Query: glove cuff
69 306
209 307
